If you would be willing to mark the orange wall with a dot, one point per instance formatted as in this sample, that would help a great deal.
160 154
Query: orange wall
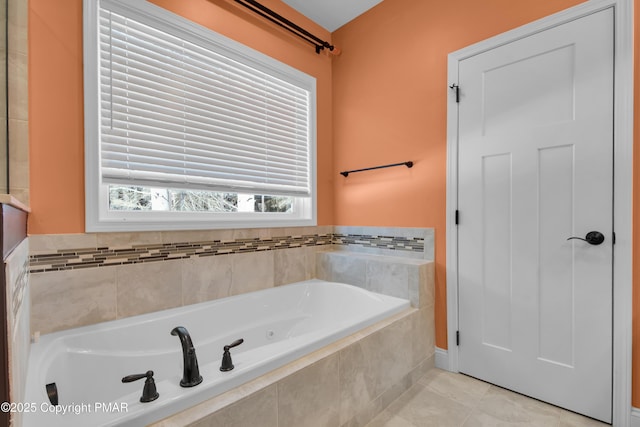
389 105
56 98
56 154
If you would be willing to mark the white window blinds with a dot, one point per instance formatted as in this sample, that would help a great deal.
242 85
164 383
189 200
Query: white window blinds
174 114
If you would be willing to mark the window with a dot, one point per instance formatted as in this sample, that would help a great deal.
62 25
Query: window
185 129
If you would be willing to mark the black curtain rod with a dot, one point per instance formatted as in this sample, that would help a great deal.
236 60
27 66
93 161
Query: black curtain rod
283 22
407 164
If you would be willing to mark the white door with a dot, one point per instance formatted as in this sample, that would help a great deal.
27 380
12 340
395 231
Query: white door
535 168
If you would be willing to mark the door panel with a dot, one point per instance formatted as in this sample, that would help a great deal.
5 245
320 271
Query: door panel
535 168
556 279
550 73
496 252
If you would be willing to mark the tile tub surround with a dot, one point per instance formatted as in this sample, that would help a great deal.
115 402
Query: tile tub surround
16 268
144 253
392 241
81 279
346 383
78 297
67 252
374 366
17 115
408 278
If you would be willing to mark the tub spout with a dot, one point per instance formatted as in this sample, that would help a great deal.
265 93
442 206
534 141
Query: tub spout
191 374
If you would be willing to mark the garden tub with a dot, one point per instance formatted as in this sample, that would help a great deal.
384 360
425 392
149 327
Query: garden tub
278 325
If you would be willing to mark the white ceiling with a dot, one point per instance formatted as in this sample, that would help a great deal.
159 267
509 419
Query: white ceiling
332 14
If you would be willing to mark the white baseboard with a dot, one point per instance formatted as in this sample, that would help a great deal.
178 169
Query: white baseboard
442 359
635 417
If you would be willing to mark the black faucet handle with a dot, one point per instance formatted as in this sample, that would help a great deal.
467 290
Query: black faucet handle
136 377
149 392
227 363
233 344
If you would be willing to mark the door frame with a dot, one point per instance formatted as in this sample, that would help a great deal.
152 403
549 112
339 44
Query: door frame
623 185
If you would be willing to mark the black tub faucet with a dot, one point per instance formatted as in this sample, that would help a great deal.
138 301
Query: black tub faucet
191 375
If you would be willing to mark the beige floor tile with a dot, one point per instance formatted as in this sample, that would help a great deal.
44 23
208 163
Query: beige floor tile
387 419
508 406
570 419
479 418
423 407
461 388
442 398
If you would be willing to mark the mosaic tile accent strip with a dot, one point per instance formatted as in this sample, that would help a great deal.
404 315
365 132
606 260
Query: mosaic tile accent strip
393 243
104 256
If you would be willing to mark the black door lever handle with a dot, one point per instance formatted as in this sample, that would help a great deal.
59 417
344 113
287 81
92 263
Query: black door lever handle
592 238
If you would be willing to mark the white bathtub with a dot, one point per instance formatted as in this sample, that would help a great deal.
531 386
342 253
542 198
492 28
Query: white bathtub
278 325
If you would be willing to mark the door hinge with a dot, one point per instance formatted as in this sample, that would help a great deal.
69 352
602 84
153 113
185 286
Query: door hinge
457 219
614 238
457 89
458 338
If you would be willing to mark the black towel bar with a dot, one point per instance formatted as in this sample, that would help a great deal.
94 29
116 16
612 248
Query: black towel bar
407 164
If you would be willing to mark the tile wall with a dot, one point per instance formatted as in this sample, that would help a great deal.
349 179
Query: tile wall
400 277
18 95
17 279
391 241
82 279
